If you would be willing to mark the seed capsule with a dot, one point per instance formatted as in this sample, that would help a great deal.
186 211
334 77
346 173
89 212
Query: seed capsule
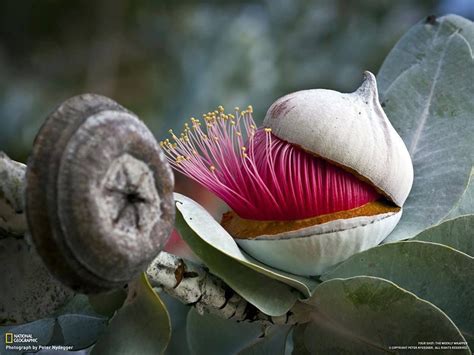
99 194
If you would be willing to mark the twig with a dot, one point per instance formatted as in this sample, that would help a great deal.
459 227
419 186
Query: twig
28 291
194 285
12 216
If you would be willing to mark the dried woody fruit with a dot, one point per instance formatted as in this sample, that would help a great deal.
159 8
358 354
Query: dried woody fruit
99 197
324 178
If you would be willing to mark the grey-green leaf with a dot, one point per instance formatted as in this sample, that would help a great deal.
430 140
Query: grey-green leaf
75 324
209 334
426 85
458 233
273 343
141 326
81 331
41 329
178 313
466 204
368 315
256 288
207 228
434 272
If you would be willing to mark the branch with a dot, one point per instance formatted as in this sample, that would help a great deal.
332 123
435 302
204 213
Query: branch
188 282
12 216
28 291
194 285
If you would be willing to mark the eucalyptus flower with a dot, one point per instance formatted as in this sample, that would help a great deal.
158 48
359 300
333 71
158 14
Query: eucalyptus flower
323 178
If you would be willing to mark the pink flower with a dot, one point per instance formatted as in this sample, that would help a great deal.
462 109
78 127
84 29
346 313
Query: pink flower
260 176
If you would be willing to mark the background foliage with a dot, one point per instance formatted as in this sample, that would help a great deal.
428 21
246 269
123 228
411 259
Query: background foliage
168 60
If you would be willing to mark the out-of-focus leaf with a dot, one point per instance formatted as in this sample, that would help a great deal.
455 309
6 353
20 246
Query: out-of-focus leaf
202 234
274 343
466 204
107 303
81 331
210 334
426 85
458 233
75 324
209 230
141 326
41 329
178 314
79 304
434 272
369 315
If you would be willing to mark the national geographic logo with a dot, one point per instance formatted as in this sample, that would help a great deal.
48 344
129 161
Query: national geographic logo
27 342
21 342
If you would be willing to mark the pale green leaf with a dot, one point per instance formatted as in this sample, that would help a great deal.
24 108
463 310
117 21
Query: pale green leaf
107 303
141 326
458 233
210 231
369 315
426 85
434 272
466 203
81 331
273 343
178 314
41 329
256 288
75 324
210 334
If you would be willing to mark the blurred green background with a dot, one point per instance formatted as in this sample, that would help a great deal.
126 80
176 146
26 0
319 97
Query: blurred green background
169 60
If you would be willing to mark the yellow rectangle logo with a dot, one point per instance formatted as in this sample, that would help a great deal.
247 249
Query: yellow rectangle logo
8 338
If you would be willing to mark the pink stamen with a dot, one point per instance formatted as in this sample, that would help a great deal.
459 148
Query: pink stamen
264 178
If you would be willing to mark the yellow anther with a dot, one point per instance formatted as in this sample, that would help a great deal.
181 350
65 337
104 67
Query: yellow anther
238 133
237 108
244 155
268 130
231 116
220 108
212 168
250 108
243 148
